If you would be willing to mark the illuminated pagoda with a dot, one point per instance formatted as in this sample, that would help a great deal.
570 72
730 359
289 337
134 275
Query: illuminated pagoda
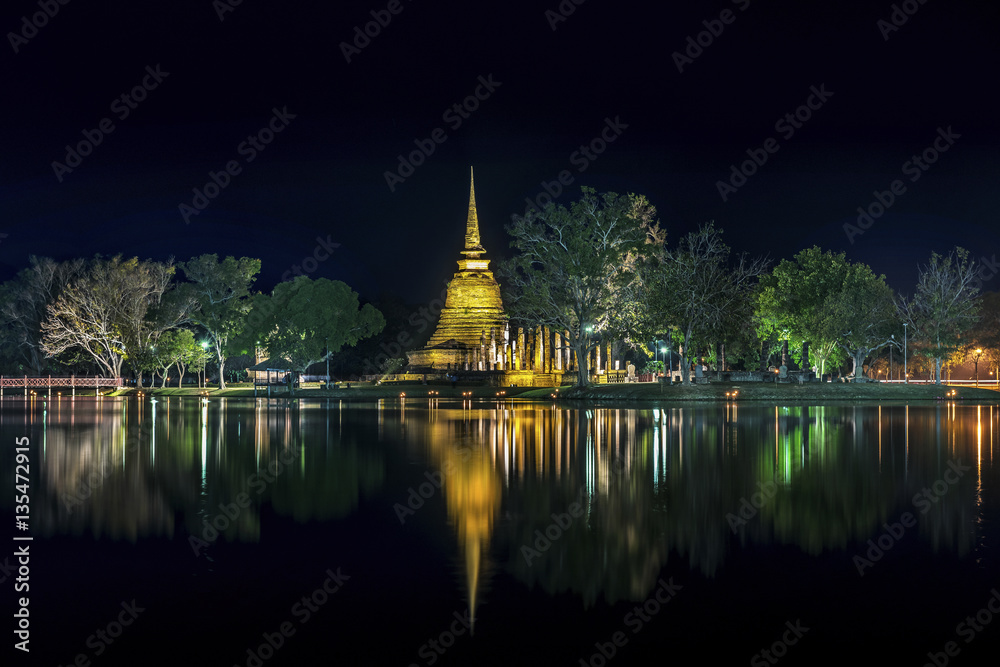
471 332
474 338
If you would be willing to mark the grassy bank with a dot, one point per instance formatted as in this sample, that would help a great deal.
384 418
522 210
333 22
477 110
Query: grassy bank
621 392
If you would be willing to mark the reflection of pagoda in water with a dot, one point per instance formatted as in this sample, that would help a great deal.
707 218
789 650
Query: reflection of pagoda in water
472 493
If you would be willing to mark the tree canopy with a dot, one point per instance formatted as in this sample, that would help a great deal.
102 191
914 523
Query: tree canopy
221 292
944 307
793 299
111 312
701 290
573 264
304 320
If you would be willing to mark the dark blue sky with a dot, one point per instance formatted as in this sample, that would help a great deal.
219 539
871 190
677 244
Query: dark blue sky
323 176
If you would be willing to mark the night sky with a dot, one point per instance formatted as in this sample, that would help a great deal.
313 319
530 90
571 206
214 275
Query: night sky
680 115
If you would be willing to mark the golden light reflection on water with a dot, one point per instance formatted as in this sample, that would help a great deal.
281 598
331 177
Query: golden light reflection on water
652 482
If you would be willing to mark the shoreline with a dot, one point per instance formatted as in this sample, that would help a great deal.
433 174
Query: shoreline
714 392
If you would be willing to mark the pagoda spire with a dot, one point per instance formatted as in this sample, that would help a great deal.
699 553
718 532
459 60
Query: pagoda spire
473 247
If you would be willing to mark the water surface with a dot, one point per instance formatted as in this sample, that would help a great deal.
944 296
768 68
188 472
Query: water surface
427 532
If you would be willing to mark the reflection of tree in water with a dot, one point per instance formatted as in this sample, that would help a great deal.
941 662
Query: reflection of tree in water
614 549
327 482
950 434
835 475
95 474
835 494
144 464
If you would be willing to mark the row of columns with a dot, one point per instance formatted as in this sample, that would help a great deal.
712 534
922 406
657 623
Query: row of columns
538 349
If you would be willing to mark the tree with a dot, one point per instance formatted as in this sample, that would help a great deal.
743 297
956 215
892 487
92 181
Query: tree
985 335
573 265
305 320
221 291
791 303
25 301
179 348
110 312
699 290
862 316
944 306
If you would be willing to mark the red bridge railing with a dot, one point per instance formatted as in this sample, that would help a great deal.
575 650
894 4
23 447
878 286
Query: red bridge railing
25 382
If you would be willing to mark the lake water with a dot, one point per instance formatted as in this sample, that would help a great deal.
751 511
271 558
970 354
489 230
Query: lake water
419 532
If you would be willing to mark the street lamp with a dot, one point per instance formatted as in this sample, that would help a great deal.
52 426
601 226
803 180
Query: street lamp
663 350
975 360
326 343
906 376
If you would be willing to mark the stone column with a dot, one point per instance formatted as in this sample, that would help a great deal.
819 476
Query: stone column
550 338
572 359
538 356
520 348
481 351
506 347
558 351
529 349
491 362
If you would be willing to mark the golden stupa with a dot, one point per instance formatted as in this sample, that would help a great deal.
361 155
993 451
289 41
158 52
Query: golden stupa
471 332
